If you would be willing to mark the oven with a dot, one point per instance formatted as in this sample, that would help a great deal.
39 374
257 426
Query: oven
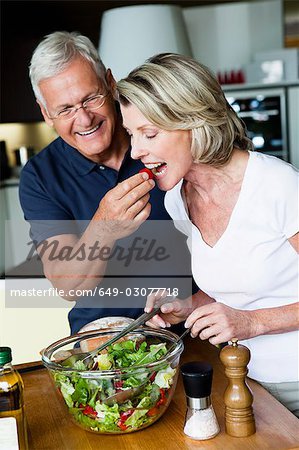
264 113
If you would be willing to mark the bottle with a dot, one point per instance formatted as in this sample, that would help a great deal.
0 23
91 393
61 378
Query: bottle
200 421
13 431
239 418
240 76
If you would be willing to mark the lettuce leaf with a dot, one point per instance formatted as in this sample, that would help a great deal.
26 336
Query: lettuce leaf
79 365
108 415
164 378
125 353
104 361
155 353
67 389
93 424
143 407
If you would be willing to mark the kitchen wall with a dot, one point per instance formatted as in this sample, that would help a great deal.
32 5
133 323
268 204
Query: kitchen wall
36 135
28 330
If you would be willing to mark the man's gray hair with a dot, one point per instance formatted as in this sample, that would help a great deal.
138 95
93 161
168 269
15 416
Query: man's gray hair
55 52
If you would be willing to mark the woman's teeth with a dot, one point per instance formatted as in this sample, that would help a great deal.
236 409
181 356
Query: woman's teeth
160 172
152 166
157 168
85 133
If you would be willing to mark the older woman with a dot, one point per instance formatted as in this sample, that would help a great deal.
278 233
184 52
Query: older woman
239 209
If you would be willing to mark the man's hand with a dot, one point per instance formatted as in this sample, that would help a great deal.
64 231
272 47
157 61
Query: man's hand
219 323
124 208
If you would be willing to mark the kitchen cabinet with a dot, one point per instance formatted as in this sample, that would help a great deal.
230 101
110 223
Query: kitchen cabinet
225 37
14 229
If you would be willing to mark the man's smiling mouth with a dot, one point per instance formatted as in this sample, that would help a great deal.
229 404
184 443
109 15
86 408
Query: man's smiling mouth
86 133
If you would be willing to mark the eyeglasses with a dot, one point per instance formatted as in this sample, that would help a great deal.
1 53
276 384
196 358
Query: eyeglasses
90 104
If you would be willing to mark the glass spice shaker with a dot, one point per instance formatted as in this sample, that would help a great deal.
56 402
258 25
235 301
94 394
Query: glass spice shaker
200 422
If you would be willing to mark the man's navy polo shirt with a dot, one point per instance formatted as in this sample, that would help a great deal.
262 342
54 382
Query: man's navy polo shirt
59 183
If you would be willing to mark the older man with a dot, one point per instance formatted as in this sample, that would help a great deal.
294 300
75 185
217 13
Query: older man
86 174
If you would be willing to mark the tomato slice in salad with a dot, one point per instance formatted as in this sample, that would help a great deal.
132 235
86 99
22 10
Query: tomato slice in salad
153 412
163 398
125 414
89 411
122 425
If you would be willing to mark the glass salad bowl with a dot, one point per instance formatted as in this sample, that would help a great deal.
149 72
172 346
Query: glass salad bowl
129 385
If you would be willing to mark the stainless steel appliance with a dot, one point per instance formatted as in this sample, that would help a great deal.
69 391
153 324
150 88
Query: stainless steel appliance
264 114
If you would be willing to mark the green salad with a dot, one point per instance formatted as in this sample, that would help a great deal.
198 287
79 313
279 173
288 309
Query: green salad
86 396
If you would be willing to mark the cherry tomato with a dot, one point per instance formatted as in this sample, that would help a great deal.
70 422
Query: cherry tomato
148 171
163 398
162 401
125 414
162 393
89 411
121 425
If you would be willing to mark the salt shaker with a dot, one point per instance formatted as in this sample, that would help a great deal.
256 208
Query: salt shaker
200 422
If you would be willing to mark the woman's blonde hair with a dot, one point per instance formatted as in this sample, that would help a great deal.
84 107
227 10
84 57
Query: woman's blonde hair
175 92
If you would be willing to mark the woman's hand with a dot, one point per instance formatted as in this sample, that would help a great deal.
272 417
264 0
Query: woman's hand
172 312
219 323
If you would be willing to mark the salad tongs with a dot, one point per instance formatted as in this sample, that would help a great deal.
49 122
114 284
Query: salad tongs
87 357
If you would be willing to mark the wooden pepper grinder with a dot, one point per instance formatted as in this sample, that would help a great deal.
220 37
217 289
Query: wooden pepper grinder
239 418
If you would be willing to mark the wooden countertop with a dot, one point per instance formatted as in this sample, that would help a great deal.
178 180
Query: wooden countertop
50 426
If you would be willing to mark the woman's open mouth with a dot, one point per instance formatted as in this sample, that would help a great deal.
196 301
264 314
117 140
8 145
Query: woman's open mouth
158 169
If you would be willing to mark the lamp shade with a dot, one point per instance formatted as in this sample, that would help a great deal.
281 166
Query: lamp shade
131 34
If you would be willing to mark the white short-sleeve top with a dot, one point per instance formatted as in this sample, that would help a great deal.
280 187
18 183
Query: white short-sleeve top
253 265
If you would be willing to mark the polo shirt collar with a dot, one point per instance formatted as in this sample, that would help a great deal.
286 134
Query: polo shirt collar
79 162
83 165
